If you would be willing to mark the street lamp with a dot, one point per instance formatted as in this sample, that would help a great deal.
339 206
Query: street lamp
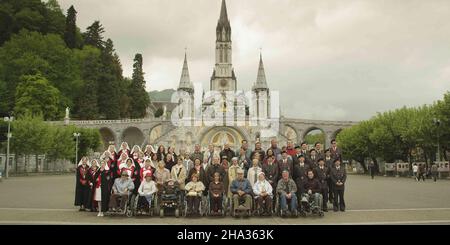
437 122
9 120
77 136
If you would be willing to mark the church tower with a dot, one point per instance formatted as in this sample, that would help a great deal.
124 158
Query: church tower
186 92
261 94
223 77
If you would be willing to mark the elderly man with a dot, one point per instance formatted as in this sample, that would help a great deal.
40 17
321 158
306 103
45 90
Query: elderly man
253 172
121 188
232 171
275 149
263 194
241 189
227 152
197 153
287 188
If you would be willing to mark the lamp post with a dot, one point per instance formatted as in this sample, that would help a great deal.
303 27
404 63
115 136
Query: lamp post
77 136
9 120
437 122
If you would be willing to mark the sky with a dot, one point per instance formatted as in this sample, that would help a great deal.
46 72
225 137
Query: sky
329 60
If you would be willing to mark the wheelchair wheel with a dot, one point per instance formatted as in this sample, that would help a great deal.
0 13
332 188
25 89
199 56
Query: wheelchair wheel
161 212
129 213
177 213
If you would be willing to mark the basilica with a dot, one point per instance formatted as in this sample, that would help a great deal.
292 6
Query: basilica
220 115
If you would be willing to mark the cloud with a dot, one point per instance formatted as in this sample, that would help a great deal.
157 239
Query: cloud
333 60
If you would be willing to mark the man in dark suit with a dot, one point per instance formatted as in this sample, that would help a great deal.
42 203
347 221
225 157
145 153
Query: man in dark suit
298 153
285 163
336 152
259 150
300 173
330 165
304 149
227 152
322 172
319 151
312 159
338 177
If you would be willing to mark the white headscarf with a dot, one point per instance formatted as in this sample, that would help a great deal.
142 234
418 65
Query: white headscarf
81 162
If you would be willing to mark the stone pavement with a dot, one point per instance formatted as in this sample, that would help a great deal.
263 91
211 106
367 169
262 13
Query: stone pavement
385 200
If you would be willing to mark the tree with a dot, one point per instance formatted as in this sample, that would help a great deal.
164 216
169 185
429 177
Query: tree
108 89
94 35
31 136
139 97
443 114
31 53
125 100
33 15
89 64
36 96
3 96
70 34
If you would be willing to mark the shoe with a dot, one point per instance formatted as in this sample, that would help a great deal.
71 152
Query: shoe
325 210
335 209
342 209
99 215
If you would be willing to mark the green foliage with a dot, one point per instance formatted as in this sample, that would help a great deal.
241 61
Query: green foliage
159 112
31 135
71 33
311 139
36 96
94 35
139 97
33 15
397 135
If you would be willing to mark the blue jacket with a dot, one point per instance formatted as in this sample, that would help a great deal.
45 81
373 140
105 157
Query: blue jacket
243 185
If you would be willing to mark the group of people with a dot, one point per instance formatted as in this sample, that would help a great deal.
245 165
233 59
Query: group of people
243 177
420 172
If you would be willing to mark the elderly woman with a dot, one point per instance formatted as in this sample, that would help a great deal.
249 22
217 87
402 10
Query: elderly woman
162 174
194 191
263 194
146 190
178 173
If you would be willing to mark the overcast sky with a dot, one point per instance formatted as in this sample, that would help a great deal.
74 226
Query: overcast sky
331 60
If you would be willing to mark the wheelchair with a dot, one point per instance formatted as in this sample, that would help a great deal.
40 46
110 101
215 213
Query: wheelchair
238 212
202 207
127 210
258 212
167 203
222 210
142 207
308 205
280 212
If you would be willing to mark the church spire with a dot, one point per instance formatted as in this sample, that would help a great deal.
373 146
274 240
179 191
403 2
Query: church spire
185 80
223 13
261 82
223 30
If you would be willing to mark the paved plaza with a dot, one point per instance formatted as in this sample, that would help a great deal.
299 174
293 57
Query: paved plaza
385 200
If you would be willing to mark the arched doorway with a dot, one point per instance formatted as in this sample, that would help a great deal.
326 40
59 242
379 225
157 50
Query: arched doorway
313 135
219 136
108 137
133 136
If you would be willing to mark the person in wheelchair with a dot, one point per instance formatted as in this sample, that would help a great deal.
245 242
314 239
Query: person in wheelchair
120 190
242 190
216 194
146 191
194 190
286 190
311 196
263 192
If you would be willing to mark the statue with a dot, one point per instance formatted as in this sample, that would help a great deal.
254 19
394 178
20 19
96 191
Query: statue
67 112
